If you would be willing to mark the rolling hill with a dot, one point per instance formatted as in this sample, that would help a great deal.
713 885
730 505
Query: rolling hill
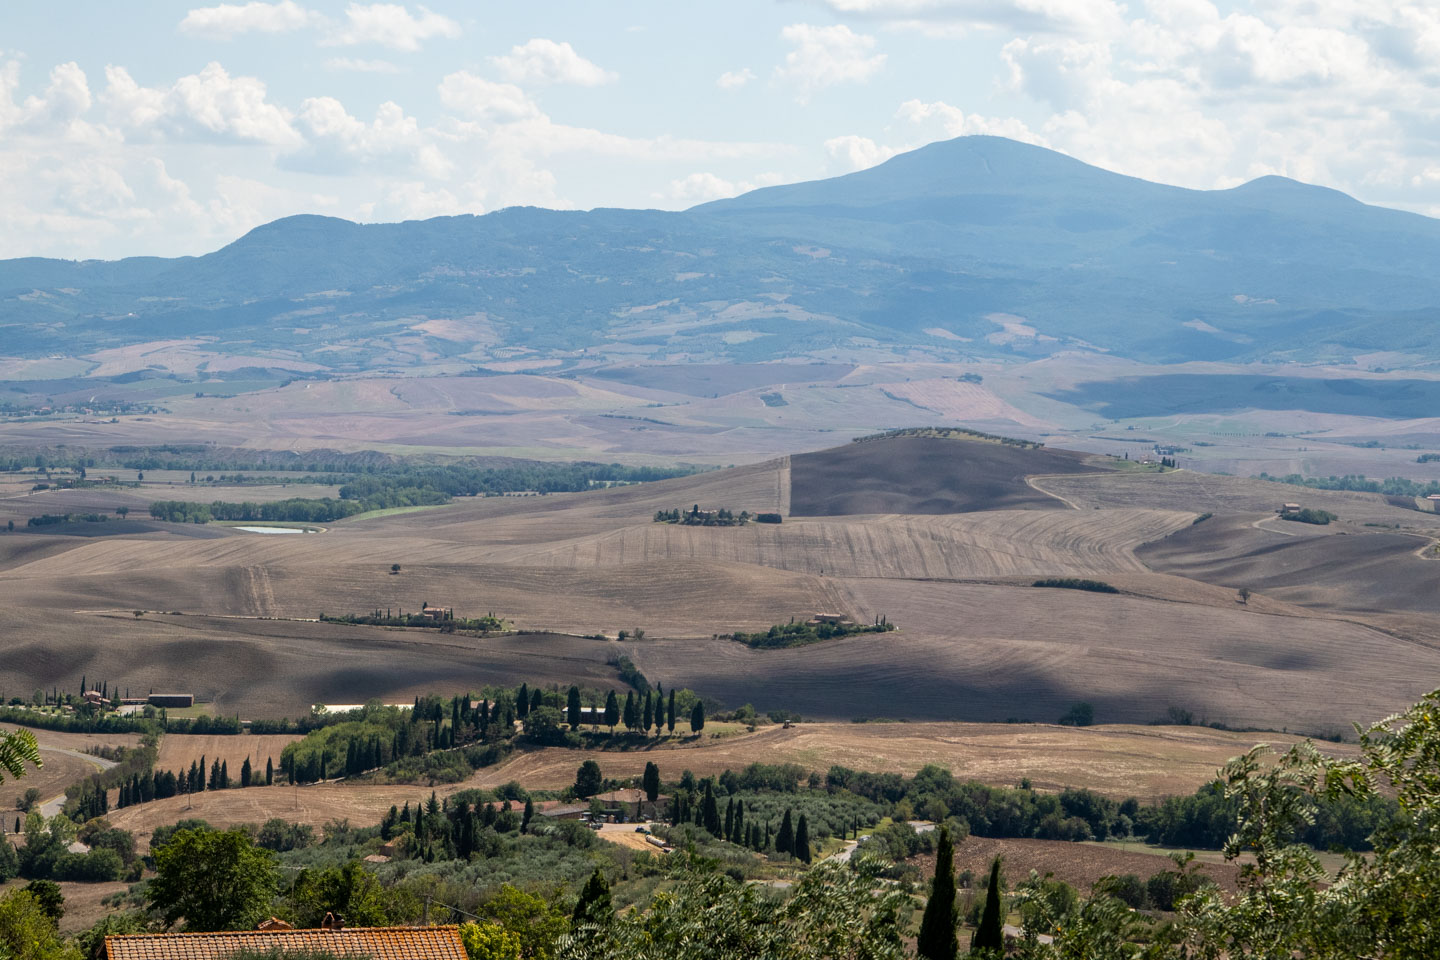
974 246
231 615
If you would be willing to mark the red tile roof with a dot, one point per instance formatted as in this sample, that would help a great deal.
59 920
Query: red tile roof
379 943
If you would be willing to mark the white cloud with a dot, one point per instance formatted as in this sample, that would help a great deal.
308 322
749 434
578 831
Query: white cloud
703 187
479 99
207 106
954 122
336 143
1042 16
390 25
735 79
858 153
361 66
546 61
825 56
231 19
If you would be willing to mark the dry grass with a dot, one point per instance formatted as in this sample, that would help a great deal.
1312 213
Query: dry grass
82 902
1078 864
178 751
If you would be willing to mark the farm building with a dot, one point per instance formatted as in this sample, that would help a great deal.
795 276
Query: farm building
831 618
1289 508
631 804
557 810
94 697
376 943
172 700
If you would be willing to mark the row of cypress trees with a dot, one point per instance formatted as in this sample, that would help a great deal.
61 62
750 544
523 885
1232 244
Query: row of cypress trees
938 939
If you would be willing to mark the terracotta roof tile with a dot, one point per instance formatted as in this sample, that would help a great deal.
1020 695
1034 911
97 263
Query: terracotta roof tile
379 943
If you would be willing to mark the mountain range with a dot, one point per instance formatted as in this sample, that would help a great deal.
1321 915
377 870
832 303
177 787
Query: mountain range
973 247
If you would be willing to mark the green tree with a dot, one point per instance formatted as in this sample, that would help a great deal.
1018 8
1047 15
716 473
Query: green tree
588 780
785 837
489 941
9 861
49 896
27 931
802 839
937 939
538 924
214 880
348 891
245 773
628 715
522 701
647 716
594 903
697 717
17 748
612 710
651 781
670 717
991 933
572 708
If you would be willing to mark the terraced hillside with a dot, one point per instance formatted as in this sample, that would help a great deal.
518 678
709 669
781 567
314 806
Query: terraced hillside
1324 640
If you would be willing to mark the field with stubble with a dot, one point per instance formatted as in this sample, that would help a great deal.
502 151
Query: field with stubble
231 616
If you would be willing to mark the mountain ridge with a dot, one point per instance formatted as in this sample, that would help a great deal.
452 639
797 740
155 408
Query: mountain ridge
940 238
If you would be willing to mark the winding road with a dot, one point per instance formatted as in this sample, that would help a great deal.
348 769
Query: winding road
53 806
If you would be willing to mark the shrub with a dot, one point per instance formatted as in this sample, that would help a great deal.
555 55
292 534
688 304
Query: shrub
1076 583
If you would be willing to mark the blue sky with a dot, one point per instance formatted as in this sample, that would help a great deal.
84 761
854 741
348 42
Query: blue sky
172 128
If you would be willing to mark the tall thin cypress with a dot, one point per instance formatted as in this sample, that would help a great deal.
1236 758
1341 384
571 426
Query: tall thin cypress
937 939
785 838
991 933
802 839
670 721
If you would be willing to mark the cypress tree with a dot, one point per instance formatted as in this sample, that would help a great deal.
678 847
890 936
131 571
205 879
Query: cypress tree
647 718
612 710
651 781
670 721
628 716
802 839
537 700
730 819
740 833
572 708
785 839
594 903
991 933
269 771
697 717
245 773
529 813
710 811
937 939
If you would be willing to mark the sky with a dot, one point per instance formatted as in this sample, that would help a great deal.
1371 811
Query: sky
157 128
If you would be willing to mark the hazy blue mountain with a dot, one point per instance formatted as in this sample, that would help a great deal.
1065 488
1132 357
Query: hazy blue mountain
939 239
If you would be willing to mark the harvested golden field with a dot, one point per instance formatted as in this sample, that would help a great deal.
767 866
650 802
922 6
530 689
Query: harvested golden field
975 642
1078 864
83 906
1119 761
178 751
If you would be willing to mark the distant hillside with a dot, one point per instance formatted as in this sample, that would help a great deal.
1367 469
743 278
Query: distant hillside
974 246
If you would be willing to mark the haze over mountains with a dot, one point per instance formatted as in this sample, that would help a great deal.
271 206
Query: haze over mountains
973 247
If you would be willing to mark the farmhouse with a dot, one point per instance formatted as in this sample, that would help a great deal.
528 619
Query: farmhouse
94 697
557 810
1289 508
632 804
374 943
835 619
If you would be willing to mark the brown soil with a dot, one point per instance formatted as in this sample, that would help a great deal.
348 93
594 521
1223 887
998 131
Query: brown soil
1078 864
922 475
